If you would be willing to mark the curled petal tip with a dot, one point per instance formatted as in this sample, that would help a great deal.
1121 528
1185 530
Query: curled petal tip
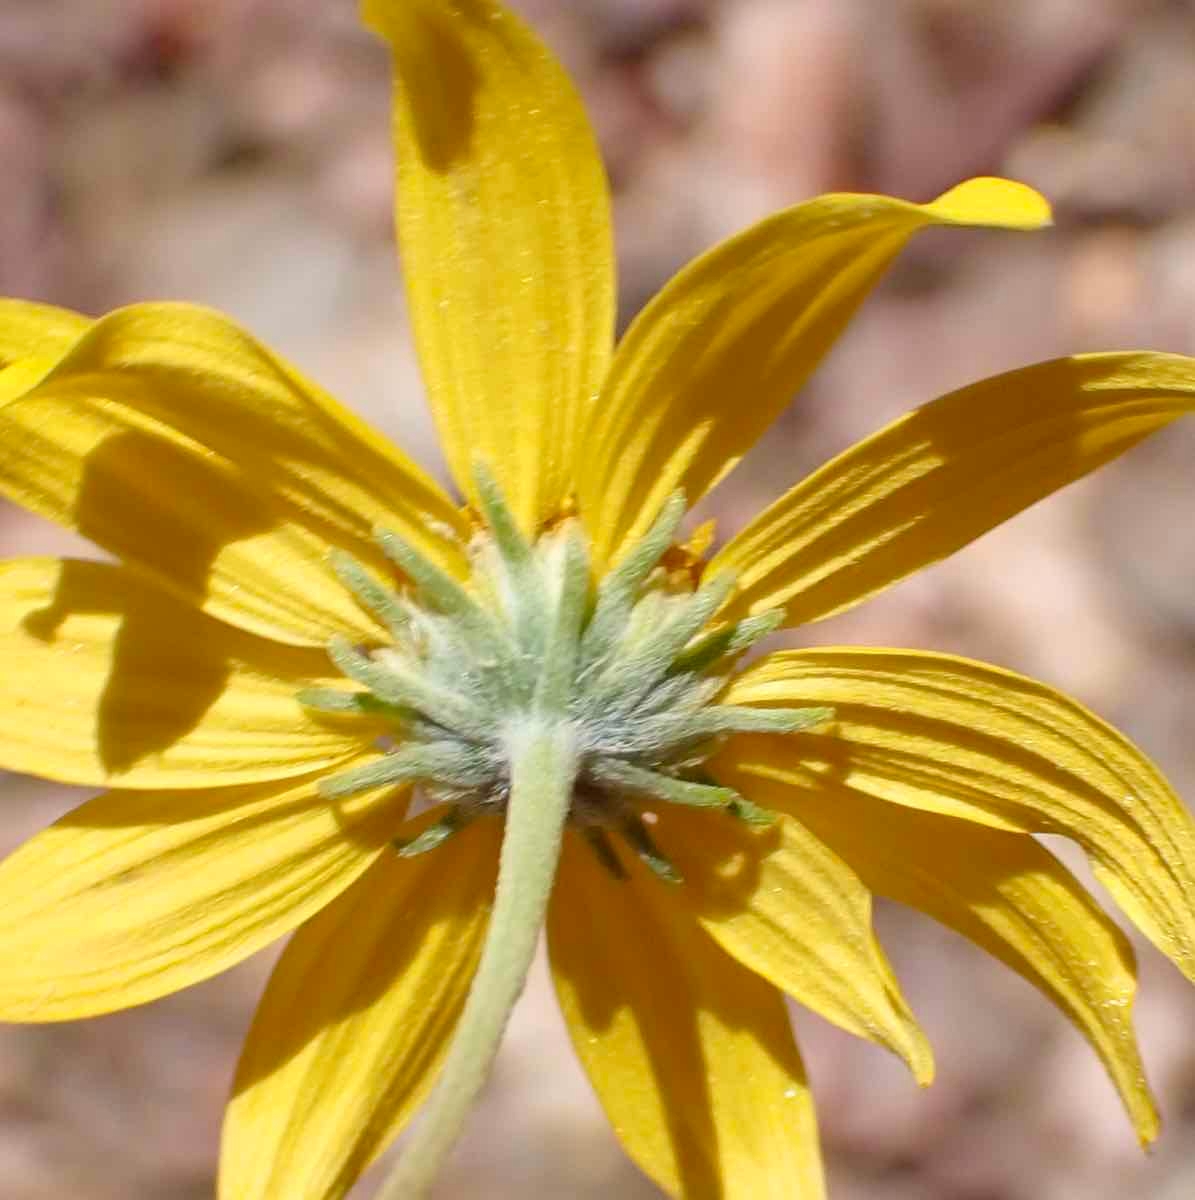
1004 203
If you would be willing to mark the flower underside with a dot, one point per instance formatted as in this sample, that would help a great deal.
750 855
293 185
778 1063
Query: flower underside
632 668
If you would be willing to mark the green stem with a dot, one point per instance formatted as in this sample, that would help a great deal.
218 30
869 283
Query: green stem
543 768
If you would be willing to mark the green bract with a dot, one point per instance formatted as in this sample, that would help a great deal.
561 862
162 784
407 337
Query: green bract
626 667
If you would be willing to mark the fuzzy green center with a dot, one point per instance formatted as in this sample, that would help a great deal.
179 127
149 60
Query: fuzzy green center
632 668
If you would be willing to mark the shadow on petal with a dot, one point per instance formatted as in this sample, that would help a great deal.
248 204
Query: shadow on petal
158 637
436 67
144 648
361 1006
662 1018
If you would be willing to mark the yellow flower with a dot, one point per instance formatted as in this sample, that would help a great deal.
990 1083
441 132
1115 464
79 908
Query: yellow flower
549 670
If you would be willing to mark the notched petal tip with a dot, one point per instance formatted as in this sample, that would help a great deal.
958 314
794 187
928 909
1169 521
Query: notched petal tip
988 200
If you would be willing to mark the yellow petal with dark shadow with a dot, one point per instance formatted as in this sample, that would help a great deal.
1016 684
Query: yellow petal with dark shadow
355 1021
966 739
503 218
939 477
173 440
786 906
710 363
137 894
107 680
691 1055
1004 891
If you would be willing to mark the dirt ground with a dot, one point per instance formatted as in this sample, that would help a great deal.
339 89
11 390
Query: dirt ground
236 153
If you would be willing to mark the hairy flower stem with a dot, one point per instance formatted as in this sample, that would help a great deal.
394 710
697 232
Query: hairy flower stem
543 768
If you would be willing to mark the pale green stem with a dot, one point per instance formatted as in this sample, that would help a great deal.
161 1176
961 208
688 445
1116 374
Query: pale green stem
543 768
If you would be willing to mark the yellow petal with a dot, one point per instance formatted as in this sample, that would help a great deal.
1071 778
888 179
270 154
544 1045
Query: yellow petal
28 329
786 906
19 376
106 680
716 356
965 739
357 1016
939 477
138 894
690 1053
1004 891
170 438
504 226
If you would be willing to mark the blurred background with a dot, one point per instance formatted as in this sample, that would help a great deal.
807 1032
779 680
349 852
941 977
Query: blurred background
236 153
